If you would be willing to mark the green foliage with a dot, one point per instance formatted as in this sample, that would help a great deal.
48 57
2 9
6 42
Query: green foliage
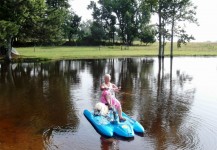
184 38
147 35
56 15
172 15
127 16
122 17
56 4
51 31
71 25
104 18
38 21
7 30
13 15
14 11
84 29
31 29
97 31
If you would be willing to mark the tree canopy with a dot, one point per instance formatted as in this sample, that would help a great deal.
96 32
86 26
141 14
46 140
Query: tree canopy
53 22
32 20
123 17
172 15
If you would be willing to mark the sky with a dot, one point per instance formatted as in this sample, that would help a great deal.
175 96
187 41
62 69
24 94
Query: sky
206 15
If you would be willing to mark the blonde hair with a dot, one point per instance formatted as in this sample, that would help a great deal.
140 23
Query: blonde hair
107 76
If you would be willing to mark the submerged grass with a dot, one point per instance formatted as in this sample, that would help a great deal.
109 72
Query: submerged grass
79 52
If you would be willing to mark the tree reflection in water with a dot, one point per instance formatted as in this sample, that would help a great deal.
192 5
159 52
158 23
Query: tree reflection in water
167 106
40 98
35 97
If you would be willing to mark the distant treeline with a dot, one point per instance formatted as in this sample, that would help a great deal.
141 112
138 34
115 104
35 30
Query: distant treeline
48 22
66 43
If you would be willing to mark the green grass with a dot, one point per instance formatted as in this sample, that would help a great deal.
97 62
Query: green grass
76 52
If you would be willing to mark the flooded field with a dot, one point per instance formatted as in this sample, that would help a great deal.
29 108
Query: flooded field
42 104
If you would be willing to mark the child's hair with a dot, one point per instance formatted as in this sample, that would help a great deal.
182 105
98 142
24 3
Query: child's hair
107 76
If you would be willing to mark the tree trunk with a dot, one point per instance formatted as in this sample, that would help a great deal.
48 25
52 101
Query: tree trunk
160 30
113 37
163 47
163 37
172 32
8 54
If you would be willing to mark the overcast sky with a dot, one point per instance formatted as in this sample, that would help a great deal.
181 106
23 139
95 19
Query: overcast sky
206 14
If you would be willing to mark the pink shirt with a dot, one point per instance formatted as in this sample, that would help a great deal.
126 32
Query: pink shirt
114 101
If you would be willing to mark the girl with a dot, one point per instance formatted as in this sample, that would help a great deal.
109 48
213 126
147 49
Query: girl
108 95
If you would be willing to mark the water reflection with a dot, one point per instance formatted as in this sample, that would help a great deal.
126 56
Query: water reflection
167 106
45 101
34 97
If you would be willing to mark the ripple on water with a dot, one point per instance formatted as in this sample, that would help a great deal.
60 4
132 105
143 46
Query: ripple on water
51 140
195 133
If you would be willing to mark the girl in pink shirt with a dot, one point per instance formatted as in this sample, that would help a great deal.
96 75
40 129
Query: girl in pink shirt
108 95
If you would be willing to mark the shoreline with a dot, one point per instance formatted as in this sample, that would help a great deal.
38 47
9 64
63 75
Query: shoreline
33 54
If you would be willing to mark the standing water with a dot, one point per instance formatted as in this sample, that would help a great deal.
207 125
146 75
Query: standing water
41 104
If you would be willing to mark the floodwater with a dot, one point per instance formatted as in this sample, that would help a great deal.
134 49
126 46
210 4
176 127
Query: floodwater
41 104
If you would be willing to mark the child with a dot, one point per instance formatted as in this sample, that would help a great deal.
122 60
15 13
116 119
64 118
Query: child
108 95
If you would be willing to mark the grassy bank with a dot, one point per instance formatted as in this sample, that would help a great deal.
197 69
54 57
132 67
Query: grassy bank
191 49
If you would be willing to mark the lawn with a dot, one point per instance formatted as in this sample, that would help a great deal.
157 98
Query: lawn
79 52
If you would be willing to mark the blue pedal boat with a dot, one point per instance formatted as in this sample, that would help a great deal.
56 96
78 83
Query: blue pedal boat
110 125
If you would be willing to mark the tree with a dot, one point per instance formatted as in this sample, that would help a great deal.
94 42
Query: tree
170 13
71 25
56 4
180 11
97 32
147 35
31 29
13 15
127 16
31 20
8 30
100 27
53 21
84 29
183 38
123 16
